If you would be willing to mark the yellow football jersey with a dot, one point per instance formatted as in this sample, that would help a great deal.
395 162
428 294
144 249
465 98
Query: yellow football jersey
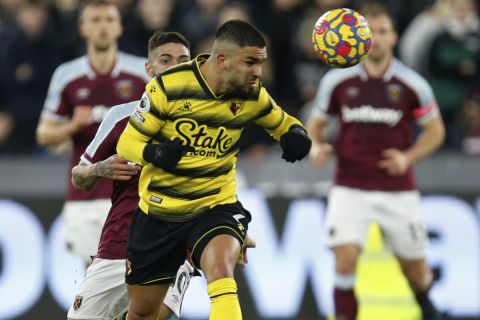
179 104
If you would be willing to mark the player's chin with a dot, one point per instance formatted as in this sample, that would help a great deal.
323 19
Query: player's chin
250 86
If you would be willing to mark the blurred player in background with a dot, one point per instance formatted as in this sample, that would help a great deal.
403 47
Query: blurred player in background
377 103
80 94
103 293
185 133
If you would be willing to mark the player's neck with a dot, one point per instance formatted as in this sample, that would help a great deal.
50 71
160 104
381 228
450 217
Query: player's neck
102 61
210 74
376 68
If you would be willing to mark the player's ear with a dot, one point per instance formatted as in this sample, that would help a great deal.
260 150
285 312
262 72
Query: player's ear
222 61
149 69
395 38
120 30
81 30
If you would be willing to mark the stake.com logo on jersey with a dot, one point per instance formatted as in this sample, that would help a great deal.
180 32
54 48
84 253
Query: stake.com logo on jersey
201 138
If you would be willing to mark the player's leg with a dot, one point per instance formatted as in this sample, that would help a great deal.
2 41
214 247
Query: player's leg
346 257
218 263
155 250
404 232
102 294
348 220
83 222
420 278
216 242
144 301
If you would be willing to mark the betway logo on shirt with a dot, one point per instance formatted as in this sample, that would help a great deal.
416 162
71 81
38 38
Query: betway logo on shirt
206 143
369 114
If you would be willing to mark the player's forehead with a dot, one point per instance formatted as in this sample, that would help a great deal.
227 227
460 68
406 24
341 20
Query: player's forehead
379 22
171 49
100 9
253 53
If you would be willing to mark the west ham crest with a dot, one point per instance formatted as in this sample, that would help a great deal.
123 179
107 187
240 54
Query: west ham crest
124 88
235 108
77 302
394 92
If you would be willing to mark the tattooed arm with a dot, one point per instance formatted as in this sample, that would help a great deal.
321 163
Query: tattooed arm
84 176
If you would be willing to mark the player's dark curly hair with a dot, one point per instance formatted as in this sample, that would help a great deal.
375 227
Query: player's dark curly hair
241 33
159 38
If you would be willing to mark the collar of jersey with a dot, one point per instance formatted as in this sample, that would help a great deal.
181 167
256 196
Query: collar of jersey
201 58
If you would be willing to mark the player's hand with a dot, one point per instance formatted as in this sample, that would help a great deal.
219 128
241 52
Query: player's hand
247 243
320 154
394 162
167 154
82 116
295 144
116 168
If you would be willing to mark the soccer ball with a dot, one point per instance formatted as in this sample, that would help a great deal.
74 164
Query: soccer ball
341 38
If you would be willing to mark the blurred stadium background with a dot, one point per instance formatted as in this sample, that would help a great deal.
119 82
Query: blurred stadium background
290 271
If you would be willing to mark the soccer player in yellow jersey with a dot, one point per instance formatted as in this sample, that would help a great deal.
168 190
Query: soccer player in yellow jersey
185 134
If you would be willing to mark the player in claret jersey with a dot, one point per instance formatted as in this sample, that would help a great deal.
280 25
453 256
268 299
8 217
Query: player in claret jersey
80 93
377 104
103 293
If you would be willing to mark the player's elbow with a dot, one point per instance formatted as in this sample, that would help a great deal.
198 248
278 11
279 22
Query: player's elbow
439 132
42 138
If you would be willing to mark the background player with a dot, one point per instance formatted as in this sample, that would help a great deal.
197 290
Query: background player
103 293
188 184
377 103
80 94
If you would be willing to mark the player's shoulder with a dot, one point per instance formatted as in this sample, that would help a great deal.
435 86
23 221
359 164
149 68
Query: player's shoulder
408 76
133 65
72 69
181 77
128 59
182 71
336 76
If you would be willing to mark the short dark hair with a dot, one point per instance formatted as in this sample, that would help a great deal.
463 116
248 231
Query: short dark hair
94 3
159 38
375 9
241 33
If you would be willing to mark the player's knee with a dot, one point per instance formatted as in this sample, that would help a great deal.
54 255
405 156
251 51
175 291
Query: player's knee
346 257
140 315
219 270
219 258
345 264
142 311
418 277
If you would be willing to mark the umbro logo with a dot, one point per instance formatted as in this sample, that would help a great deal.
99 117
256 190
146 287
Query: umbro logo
186 107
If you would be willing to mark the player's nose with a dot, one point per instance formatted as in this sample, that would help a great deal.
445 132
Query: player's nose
257 71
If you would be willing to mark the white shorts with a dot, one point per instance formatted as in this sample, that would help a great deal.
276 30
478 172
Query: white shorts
83 222
103 293
350 212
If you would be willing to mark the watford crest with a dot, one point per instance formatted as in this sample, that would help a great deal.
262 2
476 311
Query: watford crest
235 107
